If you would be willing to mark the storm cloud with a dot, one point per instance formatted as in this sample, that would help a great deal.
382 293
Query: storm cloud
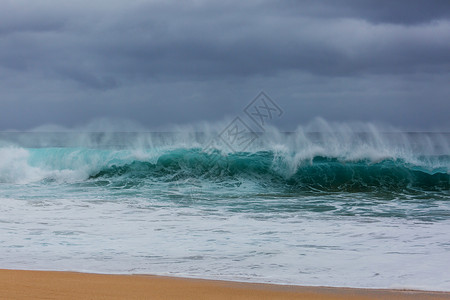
161 62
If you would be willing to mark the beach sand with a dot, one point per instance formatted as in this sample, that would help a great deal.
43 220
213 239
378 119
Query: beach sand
70 285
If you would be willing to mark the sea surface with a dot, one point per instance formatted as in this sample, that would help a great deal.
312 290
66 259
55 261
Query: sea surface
334 208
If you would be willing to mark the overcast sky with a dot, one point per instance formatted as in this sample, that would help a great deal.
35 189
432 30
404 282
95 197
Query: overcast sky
164 62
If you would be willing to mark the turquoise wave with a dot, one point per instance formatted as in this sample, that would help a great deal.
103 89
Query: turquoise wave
268 169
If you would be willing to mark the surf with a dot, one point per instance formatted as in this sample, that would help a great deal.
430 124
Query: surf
320 156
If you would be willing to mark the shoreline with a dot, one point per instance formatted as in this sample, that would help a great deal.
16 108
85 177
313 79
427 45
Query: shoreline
22 284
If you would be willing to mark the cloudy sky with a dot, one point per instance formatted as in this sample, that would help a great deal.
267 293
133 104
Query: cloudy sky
164 62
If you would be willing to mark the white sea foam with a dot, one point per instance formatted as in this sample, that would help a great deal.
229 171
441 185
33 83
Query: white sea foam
133 236
14 167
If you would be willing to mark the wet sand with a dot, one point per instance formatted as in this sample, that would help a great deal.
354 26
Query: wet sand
70 285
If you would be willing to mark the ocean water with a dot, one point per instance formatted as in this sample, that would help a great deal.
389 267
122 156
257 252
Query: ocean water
339 207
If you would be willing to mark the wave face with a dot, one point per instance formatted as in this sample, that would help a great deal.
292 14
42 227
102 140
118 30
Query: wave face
266 169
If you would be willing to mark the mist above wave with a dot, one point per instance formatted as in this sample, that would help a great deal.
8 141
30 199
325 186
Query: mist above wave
78 153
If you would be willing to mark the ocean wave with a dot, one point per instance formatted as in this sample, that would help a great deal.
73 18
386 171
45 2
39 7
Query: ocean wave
265 168
319 156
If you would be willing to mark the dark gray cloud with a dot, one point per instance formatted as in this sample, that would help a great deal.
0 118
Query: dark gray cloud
165 62
375 11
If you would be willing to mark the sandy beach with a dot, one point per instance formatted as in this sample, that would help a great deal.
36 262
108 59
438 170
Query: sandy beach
16 284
